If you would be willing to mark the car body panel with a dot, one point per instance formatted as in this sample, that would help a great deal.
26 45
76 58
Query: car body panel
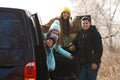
18 43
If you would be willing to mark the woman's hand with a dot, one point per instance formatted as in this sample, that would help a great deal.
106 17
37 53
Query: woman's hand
71 57
72 48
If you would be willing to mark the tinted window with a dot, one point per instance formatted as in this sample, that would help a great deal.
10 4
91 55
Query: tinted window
12 31
14 38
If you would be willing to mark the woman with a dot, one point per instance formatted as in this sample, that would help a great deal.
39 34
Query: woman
64 23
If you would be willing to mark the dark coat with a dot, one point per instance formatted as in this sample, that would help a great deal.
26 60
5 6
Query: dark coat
88 46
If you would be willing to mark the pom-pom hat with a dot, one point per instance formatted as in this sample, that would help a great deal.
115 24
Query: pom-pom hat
55 26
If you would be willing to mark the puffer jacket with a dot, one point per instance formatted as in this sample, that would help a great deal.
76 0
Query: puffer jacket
88 46
50 56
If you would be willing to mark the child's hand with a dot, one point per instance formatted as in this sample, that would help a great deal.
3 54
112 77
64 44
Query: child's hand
49 43
71 57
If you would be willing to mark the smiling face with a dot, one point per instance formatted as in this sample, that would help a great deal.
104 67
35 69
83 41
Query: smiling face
86 22
66 15
54 31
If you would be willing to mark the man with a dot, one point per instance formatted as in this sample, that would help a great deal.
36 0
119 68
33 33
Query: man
88 46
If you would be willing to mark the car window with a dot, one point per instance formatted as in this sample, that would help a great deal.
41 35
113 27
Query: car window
12 31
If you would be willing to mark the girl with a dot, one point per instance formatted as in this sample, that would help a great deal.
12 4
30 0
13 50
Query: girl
54 31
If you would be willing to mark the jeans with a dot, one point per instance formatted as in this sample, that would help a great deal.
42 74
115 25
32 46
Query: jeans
87 73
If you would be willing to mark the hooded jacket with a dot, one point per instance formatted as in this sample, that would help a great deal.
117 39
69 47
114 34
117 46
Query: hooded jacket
88 46
50 56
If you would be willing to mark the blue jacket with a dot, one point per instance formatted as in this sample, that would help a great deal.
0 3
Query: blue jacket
50 56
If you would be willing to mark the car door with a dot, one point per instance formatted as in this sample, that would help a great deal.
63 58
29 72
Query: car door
40 56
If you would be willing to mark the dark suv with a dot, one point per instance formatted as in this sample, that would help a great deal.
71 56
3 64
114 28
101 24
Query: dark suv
22 55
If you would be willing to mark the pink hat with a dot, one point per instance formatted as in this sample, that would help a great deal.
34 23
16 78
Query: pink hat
54 37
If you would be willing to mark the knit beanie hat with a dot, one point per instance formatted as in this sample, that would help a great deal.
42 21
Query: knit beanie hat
55 26
66 9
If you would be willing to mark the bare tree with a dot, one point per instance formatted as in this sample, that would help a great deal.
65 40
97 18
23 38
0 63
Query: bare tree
103 14
109 19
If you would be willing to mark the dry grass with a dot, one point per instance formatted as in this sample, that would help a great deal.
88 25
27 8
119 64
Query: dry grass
110 67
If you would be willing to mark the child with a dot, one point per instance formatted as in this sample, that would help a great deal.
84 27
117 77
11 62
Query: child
51 41
54 31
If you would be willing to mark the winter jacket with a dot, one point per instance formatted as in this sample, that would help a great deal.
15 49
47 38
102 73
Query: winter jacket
88 46
50 56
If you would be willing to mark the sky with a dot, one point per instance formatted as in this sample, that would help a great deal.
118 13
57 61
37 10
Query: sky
46 9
